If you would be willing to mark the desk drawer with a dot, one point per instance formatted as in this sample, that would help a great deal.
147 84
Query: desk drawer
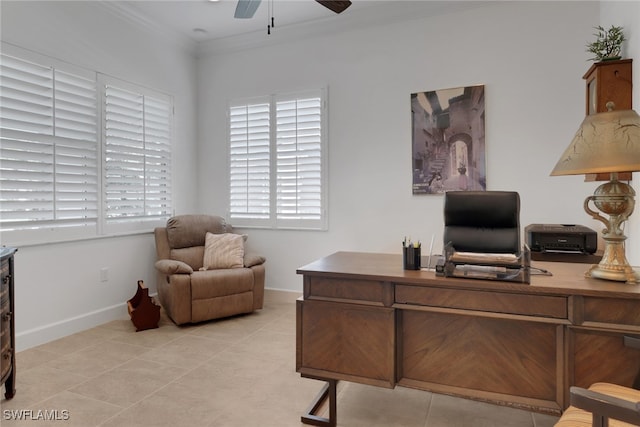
5 342
4 276
614 311
490 301
4 298
357 291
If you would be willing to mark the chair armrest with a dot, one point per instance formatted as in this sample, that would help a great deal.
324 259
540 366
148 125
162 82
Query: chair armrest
251 259
603 405
172 266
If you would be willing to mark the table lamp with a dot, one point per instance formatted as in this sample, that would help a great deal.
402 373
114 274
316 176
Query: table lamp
607 142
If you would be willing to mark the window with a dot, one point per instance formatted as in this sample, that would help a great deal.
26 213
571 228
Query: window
58 178
48 151
137 160
249 165
277 161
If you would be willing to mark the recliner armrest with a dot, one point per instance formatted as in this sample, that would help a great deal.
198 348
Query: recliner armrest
251 259
606 406
172 266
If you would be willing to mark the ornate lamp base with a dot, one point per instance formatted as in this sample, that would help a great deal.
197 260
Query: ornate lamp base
617 200
614 265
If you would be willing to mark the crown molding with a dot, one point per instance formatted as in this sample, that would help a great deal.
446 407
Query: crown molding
381 13
125 12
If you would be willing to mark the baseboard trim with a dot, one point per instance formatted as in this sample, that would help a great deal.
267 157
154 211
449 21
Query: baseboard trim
53 331
282 290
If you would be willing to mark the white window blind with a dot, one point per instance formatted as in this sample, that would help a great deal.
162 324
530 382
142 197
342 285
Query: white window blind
299 161
48 146
158 115
137 179
81 154
277 161
249 162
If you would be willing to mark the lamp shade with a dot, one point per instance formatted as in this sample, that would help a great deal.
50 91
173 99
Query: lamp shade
605 142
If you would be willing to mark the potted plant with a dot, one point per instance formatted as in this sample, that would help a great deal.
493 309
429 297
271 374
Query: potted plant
607 45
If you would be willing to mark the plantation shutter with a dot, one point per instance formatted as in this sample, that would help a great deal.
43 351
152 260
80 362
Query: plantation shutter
158 161
277 161
76 151
137 154
249 161
48 146
299 158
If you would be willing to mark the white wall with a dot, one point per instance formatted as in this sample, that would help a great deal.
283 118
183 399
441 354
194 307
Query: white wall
58 287
529 55
627 15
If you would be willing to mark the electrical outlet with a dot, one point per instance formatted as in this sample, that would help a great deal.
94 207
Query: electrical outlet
104 274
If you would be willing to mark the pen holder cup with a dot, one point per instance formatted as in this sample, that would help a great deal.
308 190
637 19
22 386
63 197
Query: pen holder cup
411 258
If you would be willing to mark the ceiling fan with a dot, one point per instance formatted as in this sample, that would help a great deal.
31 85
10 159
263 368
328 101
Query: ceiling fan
245 9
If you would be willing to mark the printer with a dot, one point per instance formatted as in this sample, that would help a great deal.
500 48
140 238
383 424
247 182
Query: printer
561 238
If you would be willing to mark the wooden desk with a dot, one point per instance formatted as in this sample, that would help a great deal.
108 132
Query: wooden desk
365 319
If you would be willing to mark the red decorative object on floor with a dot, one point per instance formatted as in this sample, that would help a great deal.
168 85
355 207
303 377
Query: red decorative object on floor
144 313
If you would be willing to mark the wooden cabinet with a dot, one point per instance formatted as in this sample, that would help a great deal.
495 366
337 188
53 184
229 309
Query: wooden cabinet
7 323
347 341
608 81
497 359
598 341
600 355
346 329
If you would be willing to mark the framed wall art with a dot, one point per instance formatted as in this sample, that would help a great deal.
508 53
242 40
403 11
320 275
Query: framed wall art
448 140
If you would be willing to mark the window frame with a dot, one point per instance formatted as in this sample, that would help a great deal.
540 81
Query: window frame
43 232
115 226
272 221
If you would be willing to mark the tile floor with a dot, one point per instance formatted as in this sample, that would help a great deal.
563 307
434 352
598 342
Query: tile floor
229 373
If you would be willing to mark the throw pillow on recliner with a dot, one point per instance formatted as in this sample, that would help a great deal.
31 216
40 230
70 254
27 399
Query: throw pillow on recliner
224 250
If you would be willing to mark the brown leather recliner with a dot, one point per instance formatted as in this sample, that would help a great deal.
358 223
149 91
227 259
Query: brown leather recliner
187 291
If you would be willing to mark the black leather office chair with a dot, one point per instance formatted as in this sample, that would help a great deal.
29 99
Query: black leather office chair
482 221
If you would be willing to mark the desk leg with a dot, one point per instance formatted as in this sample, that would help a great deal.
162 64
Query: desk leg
328 392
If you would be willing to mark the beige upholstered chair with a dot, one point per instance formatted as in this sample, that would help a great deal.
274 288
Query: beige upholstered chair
203 270
602 405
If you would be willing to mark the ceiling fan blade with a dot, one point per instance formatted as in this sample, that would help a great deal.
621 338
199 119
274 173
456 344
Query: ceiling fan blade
245 9
337 6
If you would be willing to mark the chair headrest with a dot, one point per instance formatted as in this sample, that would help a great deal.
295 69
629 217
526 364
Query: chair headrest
482 221
184 231
494 209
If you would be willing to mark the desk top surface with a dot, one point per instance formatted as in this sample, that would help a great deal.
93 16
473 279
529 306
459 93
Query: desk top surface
566 279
